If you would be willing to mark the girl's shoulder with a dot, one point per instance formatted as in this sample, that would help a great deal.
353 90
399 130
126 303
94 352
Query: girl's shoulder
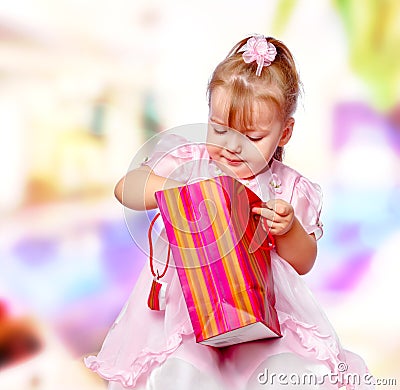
290 183
284 171
304 195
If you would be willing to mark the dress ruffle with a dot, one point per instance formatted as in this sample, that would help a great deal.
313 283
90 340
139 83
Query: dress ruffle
322 346
141 365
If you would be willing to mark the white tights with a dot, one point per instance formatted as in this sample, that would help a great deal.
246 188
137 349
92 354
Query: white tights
175 374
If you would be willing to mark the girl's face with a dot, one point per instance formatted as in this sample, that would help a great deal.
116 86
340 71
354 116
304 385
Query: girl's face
244 152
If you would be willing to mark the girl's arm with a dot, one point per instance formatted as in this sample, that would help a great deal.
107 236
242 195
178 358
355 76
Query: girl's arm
297 247
136 189
292 242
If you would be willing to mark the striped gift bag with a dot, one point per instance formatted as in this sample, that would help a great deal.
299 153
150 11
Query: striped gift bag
222 256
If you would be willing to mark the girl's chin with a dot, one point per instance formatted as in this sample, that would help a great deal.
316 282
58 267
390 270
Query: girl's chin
239 171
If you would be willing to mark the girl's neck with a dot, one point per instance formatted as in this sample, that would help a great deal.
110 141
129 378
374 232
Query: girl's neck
265 169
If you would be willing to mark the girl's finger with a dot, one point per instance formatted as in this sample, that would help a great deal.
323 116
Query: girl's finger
264 212
281 208
266 224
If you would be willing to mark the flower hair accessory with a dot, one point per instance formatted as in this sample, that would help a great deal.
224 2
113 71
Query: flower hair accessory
258 49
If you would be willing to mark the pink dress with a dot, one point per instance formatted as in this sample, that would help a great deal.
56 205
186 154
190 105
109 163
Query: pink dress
146 349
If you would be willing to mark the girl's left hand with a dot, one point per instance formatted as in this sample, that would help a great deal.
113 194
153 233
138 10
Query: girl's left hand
277 216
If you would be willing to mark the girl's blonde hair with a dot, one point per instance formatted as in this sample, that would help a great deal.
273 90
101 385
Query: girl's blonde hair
279 84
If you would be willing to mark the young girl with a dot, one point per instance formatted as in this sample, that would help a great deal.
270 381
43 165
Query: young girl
252 98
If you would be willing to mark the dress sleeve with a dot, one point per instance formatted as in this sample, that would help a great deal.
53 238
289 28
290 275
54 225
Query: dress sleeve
307 204
173 157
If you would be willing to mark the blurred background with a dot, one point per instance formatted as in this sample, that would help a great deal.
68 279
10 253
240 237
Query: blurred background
84 84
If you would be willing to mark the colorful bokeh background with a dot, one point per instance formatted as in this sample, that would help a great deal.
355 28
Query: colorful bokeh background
83 84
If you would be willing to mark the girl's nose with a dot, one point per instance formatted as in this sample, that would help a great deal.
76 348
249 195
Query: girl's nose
234 144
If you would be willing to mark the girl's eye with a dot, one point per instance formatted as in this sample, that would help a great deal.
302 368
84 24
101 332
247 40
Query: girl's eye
219 131
255 139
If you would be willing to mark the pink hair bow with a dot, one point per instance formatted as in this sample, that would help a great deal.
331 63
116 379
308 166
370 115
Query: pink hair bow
258 49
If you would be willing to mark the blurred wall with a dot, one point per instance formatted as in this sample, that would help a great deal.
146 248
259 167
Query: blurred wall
84 84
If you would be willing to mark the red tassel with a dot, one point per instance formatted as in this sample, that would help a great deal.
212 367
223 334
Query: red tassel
156 299
158 289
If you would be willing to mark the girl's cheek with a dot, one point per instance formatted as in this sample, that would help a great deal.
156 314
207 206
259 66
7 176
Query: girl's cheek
212 150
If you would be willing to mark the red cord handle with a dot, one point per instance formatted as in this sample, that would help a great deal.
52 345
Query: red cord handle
156 275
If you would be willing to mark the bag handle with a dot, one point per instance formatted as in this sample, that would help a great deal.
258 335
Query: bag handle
156 274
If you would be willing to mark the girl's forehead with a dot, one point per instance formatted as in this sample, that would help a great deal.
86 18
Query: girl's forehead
258 114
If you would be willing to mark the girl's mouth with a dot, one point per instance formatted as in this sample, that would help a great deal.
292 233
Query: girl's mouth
233 162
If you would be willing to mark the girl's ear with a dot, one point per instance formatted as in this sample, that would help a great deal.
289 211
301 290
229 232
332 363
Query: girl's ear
287 132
